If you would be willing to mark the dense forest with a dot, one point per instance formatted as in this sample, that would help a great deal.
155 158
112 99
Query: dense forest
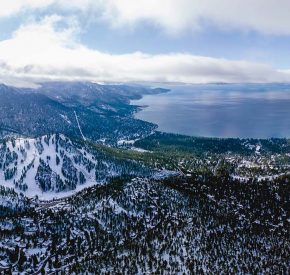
177 225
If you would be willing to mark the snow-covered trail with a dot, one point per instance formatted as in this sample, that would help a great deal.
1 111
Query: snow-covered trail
84 138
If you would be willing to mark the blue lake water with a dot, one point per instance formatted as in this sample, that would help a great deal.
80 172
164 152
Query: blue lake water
235 110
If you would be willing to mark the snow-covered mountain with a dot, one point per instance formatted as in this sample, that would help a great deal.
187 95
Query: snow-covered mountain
54 166
74 109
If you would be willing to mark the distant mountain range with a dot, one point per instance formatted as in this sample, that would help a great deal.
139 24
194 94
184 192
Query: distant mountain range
75 109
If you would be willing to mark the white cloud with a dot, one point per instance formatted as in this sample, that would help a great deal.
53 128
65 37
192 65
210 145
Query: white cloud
265 16
40 51
12 7
269 17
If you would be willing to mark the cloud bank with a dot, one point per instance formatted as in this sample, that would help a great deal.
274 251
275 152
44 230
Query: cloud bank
41 51
264 16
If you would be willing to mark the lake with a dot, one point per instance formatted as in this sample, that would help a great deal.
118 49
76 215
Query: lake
235 110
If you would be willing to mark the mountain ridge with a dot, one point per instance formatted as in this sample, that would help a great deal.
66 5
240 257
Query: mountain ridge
103 111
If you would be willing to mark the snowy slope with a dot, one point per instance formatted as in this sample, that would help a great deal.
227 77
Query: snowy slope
54 166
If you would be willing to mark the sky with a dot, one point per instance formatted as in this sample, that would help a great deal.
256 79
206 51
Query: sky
170 41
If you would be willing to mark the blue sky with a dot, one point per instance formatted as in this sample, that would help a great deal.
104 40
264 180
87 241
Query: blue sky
211 41
189 41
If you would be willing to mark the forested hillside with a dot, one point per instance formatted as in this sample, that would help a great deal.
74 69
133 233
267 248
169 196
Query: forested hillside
174 226
96 112
53 165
